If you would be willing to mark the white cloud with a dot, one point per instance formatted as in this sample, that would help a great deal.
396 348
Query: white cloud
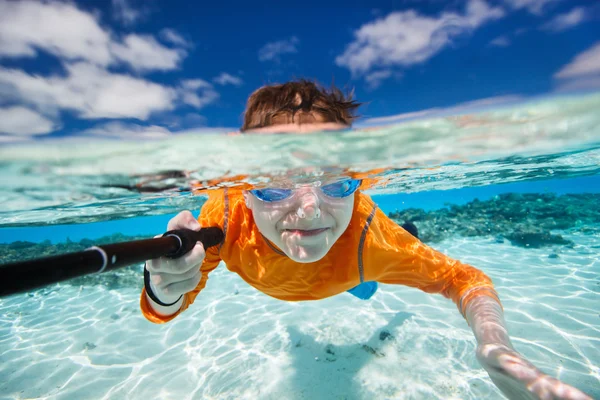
89 90
205 130
535 7
59 28
72 34
375 79
171 36
195 84
144 53
500 41
124 12
14 139
227 79
407 38
19 120
33 103
459 108
135 131
582 84
92 92
272 51
584 64
197 93
565 21
122 130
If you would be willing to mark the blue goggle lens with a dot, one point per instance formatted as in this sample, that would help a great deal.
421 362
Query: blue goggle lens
338 190
341 189
272 194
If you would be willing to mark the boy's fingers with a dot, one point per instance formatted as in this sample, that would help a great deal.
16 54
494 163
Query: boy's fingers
184 219
163 279
157 265
191 259
184 286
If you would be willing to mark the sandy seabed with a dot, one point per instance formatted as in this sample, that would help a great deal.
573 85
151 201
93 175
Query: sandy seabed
66 342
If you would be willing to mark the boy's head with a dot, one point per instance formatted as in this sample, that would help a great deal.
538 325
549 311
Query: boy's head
304 222
298 103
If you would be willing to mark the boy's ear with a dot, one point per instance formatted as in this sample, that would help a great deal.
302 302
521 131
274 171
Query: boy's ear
247 199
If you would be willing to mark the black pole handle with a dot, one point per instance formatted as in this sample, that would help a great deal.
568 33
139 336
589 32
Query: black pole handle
26 275
207 236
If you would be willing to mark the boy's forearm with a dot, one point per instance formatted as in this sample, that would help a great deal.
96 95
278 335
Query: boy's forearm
513 374
486 318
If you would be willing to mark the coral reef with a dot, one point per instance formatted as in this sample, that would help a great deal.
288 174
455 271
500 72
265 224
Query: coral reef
524 219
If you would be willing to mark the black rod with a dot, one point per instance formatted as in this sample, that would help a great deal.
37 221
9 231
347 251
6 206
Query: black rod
27 275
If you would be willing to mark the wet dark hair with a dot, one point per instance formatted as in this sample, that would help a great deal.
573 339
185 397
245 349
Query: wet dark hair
306 98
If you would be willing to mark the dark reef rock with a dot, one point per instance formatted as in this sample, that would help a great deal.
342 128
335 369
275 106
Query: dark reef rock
535 239
372 351
19 245
385 335
524 219
89 346
329 349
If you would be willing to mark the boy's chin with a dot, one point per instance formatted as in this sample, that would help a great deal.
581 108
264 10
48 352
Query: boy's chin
306 254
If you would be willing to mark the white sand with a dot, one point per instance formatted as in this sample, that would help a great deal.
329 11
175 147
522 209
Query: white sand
236 343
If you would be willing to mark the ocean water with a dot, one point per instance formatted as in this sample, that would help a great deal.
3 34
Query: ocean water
512 191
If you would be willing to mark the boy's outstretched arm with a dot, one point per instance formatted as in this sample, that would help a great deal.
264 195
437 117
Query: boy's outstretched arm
516 377
392 255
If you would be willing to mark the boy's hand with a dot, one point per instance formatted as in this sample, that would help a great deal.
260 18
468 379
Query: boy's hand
171 278
517 378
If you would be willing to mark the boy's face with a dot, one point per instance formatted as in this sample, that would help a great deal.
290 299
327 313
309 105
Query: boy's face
304 226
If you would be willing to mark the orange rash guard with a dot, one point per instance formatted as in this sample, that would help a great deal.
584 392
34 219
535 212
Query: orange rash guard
373 248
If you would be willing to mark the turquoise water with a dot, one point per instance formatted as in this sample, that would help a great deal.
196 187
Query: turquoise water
512 191
428 200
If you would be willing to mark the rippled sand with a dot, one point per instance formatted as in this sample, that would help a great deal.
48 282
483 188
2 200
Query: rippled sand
236 343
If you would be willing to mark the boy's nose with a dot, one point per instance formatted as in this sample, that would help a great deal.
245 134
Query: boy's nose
309 205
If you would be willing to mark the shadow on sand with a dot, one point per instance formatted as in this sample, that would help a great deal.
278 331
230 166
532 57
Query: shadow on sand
324 371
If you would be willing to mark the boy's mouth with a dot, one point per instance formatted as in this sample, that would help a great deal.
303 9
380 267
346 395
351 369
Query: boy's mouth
306 232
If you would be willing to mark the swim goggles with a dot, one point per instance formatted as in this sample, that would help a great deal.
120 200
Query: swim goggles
338 190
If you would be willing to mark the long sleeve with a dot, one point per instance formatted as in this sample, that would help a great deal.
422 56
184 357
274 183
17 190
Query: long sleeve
392 255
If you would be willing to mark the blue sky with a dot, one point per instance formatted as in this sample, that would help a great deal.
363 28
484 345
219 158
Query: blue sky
150 69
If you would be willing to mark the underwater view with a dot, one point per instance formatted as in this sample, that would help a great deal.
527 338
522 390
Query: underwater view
330 200
513 191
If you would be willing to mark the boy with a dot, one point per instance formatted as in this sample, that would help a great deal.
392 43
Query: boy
313 240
